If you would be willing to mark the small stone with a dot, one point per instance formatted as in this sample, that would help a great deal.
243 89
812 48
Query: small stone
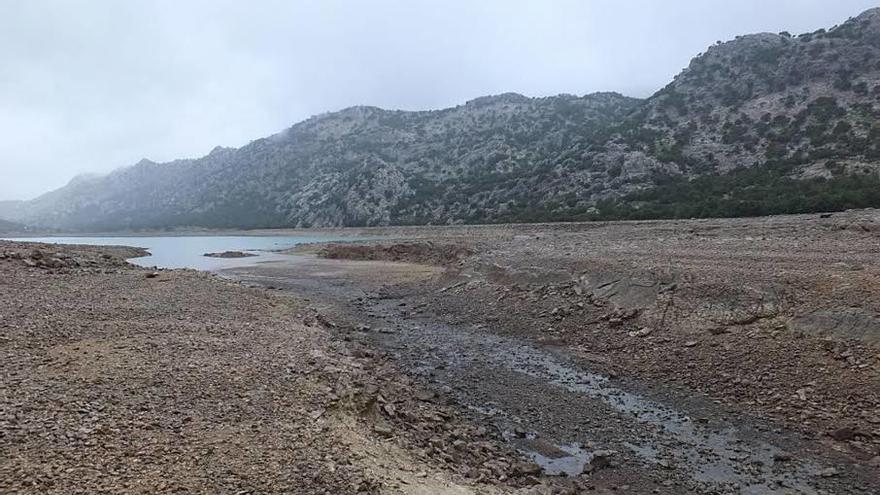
781 457
383 431
424 395
601 459
526 469
828 472
642 332
843 434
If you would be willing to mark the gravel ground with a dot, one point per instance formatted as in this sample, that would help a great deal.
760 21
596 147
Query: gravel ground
118 379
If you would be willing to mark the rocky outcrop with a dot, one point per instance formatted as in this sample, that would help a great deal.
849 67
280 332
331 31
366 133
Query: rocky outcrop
426 252
229 254
839 324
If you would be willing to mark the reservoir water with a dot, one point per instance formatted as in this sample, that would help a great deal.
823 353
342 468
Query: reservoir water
189 251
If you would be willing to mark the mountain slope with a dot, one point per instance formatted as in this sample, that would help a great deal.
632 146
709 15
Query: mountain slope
7 227
768 97
748 128
768 123
360 166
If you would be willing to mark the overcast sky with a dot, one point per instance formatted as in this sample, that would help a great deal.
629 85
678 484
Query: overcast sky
89 86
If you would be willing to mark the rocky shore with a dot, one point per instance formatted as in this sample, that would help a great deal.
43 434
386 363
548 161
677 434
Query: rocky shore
122 380
699 357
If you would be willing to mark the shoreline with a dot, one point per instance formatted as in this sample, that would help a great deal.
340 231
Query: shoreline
118 378
829 217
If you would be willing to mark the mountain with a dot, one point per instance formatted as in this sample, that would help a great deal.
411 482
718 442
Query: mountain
11 209
359 166
765 123
7 227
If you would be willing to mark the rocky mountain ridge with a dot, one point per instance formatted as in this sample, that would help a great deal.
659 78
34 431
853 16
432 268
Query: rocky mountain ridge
748 127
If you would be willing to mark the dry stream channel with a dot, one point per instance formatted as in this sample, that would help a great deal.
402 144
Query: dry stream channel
552 407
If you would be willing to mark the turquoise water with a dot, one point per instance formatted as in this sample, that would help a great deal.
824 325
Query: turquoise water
188 251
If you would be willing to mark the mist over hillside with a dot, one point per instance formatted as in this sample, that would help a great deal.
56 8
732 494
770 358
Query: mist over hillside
765 123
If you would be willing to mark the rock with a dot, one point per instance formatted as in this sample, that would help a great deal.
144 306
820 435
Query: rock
839 324
425 395
229 254
642 332
383 431
324 321
843 434
545 448
526 469
781 457
875 461
601 459
828 472
690 343
152 275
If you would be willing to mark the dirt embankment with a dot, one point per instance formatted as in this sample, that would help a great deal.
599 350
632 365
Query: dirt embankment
427 252
69 258
118 379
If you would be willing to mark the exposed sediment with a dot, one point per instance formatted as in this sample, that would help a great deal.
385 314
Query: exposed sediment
760 328
118 379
